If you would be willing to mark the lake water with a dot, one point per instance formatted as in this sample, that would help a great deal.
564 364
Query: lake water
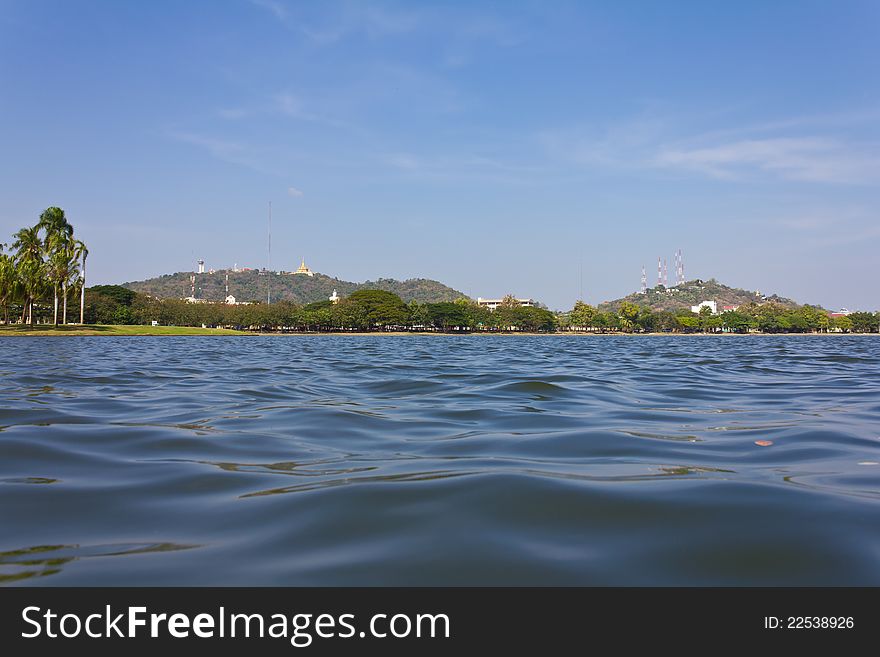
387 460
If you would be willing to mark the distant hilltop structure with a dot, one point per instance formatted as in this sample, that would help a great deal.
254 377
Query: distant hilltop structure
303 270
247 284
694 295
663 272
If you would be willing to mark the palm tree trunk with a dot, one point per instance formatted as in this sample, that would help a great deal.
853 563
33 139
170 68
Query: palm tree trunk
82 294
55 320
64 316
31 314
24 308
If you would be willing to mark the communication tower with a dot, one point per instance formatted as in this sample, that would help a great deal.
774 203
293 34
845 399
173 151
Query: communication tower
679 268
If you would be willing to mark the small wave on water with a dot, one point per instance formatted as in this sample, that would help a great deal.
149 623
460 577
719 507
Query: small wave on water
419 460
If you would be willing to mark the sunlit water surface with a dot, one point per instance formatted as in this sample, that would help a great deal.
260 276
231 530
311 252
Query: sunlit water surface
388 460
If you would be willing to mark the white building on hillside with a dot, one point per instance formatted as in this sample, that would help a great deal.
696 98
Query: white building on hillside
492 304
711 305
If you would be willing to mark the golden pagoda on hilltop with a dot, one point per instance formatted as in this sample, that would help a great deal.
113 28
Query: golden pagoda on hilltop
304 270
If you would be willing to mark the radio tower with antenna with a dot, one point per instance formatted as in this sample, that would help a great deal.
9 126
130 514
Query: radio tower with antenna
659 272
269 256
644 280
665 274
680 271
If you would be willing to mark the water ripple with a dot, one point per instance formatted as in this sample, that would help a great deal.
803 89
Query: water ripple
440 460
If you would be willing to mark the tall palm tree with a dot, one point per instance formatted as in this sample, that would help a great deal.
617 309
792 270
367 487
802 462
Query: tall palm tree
30 266
59 234
84 253
7 281
63 269
71 271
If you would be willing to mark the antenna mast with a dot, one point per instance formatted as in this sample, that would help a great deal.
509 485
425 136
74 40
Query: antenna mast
581 288
644 280
269 256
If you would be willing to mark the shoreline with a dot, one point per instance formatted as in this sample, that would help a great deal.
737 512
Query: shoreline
16 330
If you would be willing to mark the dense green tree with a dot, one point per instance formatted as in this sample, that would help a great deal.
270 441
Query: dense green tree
646 320
665 320
812 318
31 269
110 304
447 316
367 310
606 322
736 322
581 316
8 282
533 319
863 322
628 315
688 324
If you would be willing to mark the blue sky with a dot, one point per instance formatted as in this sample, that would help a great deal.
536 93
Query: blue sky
498 147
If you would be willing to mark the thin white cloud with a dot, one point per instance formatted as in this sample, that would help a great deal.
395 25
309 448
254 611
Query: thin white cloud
461 166
217 147
224 150
827 153
294 192
272 6
292 106
809 159
350 19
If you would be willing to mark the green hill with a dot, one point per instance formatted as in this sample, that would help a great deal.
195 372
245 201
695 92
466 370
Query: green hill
692 293
251 286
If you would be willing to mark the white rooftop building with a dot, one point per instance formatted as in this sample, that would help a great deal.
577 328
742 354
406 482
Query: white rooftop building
492 304
711 305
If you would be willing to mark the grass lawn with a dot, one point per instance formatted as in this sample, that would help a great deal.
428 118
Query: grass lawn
108 329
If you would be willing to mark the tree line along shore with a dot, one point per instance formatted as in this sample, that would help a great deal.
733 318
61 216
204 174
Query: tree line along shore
42 273
380 310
